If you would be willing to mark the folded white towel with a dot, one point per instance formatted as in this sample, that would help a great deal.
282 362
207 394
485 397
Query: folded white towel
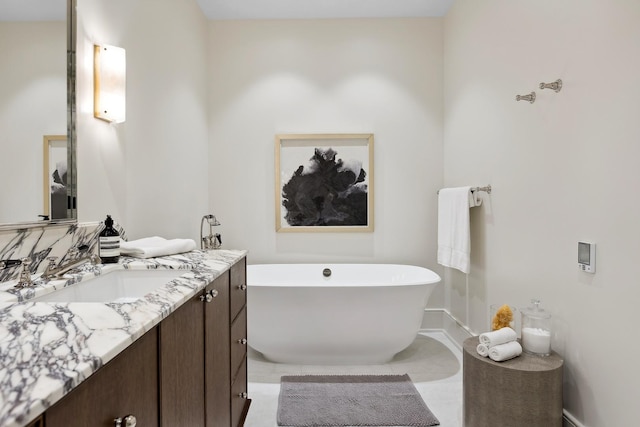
498 337
150 247
454 241
483 350
506 351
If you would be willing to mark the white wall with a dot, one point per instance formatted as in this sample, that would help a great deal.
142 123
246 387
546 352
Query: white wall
563 169
150 172
33 103
327 76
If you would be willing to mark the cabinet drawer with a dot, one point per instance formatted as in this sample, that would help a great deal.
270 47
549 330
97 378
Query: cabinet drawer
128 384
239 399
238 342
238 287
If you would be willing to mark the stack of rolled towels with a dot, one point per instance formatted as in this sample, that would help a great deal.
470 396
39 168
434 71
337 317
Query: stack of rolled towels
499 345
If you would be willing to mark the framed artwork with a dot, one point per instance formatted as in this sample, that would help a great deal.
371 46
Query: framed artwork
324 182
54 189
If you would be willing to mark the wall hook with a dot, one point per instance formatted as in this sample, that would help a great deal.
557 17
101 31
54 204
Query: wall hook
531 97
557 85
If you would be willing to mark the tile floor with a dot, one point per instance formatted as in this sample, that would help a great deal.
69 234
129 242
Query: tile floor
433 362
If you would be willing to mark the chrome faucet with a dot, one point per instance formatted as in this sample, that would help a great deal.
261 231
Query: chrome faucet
24 280
75 260
212 241
25 275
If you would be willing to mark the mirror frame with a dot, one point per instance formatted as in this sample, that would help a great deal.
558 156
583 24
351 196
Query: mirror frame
72 178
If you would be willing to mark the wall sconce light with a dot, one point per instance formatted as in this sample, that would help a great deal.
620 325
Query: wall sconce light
109 83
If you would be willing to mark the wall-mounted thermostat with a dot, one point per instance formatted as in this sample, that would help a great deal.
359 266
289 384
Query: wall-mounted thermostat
587 257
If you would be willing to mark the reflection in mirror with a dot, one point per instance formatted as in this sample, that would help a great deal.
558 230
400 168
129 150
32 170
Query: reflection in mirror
55 177
37 97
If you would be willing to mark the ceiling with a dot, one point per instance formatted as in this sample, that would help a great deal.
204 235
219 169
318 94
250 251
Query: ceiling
55 10
33 10
319 9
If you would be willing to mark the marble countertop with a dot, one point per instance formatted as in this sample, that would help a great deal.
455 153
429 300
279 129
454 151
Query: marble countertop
47 349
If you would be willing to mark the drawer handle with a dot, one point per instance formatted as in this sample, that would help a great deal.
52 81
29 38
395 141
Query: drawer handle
209 296
243 395
242 341
242 287
128 421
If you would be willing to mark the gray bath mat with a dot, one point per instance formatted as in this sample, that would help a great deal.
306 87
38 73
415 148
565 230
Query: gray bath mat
351 400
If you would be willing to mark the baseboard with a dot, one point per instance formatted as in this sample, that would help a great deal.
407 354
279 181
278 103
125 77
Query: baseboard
441 320
569 420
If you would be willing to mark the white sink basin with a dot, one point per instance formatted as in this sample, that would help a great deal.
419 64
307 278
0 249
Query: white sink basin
116 286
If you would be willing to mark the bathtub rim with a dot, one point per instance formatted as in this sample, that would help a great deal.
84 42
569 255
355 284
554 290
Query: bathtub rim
431 276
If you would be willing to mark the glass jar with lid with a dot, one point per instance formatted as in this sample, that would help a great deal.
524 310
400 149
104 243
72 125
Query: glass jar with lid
536 330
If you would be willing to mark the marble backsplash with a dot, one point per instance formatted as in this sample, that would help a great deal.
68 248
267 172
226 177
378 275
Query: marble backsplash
41 242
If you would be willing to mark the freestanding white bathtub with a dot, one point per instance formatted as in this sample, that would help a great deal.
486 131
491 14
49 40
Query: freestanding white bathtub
359 314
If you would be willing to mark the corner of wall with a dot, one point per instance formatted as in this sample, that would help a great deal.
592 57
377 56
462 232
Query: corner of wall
443 321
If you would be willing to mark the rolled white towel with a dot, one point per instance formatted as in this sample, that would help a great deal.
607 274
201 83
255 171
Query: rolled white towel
507 351
483 350
498 337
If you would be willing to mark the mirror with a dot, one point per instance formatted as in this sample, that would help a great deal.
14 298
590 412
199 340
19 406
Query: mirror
37 112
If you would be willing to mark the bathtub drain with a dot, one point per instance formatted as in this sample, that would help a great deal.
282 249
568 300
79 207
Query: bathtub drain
326 272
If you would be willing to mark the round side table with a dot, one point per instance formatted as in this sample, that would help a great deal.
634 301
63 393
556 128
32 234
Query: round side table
524 391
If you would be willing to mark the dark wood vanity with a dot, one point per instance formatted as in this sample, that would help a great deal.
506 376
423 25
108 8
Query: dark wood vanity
189 370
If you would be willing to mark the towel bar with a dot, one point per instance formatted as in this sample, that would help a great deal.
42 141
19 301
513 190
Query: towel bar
487 189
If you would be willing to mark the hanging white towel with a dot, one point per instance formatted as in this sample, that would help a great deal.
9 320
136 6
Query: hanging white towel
454 240
150 247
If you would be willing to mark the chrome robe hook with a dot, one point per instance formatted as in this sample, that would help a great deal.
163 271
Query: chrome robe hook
557 85
531 97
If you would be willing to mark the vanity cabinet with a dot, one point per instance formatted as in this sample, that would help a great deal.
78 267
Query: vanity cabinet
238 318
208 388
38 422
181 359
188 371
126 385
217 377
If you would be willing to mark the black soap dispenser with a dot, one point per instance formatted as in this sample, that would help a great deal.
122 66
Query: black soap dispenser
109 243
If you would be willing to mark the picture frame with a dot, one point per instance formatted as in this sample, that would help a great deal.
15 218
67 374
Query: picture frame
324 182
54 184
